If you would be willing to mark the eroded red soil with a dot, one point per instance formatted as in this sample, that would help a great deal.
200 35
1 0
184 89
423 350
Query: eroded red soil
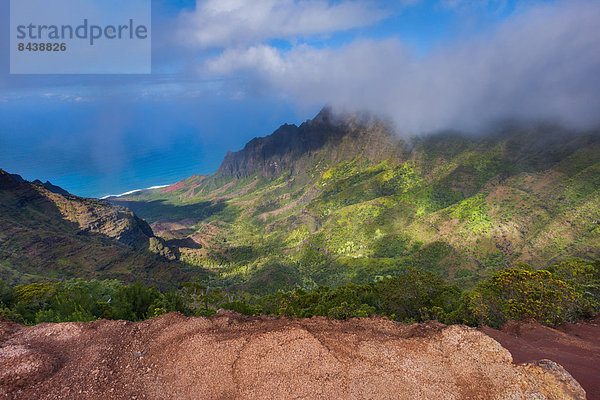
574 346
231 356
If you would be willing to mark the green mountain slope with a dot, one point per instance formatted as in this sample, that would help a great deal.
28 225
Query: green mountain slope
343 199
48 235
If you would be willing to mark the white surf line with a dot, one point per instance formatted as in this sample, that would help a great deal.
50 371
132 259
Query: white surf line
134 191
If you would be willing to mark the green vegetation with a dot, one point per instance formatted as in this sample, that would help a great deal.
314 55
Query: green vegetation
460 207
44 235
563 292
329 204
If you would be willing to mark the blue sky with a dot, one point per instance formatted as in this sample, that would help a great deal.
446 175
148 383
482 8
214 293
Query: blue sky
225 71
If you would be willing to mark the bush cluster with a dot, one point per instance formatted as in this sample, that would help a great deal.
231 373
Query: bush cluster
562 292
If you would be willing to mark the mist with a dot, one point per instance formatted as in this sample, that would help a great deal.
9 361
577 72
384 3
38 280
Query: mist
226 71
542 63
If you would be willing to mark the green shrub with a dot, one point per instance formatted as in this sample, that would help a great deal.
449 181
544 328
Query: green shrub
133 302
391 246
565 291
242 308
416 296
518 294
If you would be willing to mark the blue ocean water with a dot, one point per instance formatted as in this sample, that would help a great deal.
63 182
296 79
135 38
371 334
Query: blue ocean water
94 149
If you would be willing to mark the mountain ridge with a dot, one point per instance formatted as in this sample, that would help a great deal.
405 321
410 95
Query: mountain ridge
280 151
44 234
354 201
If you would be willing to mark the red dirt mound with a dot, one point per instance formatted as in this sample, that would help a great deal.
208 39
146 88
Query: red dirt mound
234 357
574 346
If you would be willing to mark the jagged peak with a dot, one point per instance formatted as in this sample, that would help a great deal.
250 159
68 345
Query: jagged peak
324 116
8 180
290 147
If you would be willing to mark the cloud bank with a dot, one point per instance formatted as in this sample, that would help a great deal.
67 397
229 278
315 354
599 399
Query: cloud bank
543 62
217 23
243 67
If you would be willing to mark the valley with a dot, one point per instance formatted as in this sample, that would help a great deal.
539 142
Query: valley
344 199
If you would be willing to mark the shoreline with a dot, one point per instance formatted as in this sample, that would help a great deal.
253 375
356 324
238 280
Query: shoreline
134 191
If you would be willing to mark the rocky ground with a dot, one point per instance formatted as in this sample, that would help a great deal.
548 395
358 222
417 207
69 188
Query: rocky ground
234 357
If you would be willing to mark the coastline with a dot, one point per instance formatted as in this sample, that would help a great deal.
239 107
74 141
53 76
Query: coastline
134 191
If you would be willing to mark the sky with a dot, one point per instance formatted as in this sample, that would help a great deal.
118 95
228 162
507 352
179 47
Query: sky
226 71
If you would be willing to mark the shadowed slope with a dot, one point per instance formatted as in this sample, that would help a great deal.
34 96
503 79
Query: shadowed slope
50 235
341 199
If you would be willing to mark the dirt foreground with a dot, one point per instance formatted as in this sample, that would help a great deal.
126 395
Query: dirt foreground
574 346
234 357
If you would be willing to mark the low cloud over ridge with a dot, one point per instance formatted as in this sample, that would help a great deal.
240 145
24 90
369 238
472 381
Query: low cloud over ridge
541 63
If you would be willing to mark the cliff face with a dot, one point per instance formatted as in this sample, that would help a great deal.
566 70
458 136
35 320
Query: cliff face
293 149
89 215
48 234
457 205
97 216
235 357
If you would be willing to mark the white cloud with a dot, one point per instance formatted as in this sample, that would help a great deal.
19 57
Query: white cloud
542 63
498 4
222 23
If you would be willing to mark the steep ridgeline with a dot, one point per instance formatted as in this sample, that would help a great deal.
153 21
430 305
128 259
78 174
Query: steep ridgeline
293 150
341 199
51 187
46 234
